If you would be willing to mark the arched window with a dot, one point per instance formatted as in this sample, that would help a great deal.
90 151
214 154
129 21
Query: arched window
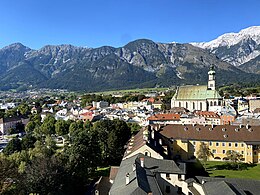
179 104
215 103
211 103
219 103
200 105
187 105
193 105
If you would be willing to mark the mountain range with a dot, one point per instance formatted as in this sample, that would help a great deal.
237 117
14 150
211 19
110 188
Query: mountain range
140 63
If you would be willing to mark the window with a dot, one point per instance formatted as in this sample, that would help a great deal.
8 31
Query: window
215 103
214 151
242 145
179 104
236 144
179 191
200 105
223 144
194 143
229 144
168 176
224 151
168 189
242 152
186 104
210 143
217 144
193 105
179 177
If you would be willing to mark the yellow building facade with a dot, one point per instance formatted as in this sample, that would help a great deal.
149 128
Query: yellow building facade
186 140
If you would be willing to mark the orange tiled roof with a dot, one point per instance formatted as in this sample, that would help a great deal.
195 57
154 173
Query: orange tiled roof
165 117
207 114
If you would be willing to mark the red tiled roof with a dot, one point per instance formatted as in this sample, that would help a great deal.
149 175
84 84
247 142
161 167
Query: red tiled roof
164 117
217 133
86 114
207 114
149 100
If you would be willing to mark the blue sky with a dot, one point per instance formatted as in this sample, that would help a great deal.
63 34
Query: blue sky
95 23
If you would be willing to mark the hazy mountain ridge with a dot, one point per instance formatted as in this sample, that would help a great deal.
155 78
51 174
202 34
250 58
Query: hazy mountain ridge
140 63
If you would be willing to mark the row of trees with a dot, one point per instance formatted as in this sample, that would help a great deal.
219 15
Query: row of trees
34 164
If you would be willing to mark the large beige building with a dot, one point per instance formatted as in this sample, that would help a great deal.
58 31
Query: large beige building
198 97
185 140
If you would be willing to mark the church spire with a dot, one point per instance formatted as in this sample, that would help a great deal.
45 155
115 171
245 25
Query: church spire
211 81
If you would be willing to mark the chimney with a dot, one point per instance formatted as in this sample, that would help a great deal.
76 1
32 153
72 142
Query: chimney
160 141
127 179
203 181
142 161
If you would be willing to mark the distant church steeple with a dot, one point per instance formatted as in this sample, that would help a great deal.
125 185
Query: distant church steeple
212 81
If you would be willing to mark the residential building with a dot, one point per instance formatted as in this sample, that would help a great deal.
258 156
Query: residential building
254 104
100 104
11 122
142 174
185 140
168 118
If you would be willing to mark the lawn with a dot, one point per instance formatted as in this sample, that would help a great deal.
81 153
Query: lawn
216 169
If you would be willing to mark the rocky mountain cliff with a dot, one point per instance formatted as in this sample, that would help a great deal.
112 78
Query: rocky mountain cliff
240 49
141 63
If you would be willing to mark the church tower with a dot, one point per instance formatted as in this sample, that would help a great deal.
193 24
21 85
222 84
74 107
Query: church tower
212 81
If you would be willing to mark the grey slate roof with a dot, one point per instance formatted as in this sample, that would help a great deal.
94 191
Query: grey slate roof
221 187
142 180
247 186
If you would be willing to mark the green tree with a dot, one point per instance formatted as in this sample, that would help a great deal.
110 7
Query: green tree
24 109
48 125
13 146
235 157
113 136
46 175
28 141
61 127
29 128
10 179
135 127
204 152
84 157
